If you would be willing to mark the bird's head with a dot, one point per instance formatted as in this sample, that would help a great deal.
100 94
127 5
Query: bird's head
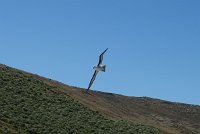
94 67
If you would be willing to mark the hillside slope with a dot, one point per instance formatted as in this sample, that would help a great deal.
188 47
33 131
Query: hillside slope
28 105
172 118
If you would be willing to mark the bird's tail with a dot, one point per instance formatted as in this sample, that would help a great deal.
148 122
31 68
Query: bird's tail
104 68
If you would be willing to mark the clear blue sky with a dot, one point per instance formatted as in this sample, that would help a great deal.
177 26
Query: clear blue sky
154 45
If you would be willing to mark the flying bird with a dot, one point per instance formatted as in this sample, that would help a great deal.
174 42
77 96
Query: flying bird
98 68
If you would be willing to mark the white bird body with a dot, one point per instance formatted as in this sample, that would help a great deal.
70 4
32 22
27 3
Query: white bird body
101 68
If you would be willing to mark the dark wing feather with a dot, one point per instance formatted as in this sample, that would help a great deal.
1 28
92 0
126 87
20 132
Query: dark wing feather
92 80
101 57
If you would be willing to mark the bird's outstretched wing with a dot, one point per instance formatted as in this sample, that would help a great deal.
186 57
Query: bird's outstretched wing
92 80
101 57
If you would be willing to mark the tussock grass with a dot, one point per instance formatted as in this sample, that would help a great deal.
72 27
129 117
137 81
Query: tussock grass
27 105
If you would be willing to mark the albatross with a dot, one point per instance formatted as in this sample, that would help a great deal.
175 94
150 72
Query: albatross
98 68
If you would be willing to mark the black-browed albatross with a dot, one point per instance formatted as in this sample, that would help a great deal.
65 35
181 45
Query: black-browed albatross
98 68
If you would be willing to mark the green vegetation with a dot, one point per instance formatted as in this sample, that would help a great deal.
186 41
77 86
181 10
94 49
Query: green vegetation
28 105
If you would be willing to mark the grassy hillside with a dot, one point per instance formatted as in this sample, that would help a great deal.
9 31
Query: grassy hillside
28 105
170 117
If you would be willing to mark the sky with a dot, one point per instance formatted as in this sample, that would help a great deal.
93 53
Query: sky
153 45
